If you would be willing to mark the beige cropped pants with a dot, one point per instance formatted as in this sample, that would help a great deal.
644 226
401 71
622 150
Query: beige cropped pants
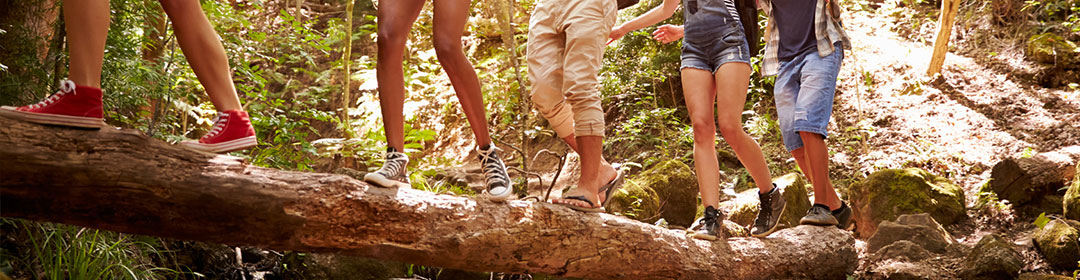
565 49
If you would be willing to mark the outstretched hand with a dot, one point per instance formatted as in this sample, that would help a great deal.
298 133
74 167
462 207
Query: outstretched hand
668 33
615 34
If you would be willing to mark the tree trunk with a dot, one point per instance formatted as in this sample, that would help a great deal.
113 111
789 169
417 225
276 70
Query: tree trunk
1021 180
121 180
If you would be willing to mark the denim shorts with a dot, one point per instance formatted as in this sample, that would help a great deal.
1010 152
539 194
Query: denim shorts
804 93
713 35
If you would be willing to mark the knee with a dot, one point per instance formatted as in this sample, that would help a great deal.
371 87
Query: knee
447 45
703 126
390 38
730 127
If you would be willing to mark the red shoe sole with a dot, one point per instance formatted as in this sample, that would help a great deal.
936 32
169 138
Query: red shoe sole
53 119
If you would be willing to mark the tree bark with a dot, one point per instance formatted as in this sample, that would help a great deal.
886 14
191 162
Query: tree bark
1021 180
121 180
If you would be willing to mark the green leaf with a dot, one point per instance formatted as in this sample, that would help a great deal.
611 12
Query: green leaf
1041 221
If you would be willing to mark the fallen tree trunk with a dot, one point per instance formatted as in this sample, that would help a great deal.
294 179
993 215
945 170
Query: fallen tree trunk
121 180
1021 180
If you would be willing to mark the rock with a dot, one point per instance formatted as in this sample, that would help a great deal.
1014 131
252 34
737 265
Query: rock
333 266
903 250
899 270
920 229
1052 49
743 209
992 258
668 190
1022 180
1058 242
1071 201
887 194
1043 276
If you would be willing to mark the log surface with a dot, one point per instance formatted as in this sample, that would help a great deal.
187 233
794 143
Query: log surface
121 180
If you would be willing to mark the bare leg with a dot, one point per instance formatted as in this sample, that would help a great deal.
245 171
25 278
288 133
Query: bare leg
700 91
732 79
591 156
449 23
87 24
606 170
204 51
395 19
817 158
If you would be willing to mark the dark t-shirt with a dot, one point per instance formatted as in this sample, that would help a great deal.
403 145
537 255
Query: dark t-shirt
795 22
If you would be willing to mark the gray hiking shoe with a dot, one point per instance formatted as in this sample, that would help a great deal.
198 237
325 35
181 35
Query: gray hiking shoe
843 217
392 173
819 215
770 208
499 187
710 227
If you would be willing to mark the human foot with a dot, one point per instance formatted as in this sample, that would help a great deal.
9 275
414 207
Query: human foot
72 105
580 200
770 207
232 131
499 187
392 174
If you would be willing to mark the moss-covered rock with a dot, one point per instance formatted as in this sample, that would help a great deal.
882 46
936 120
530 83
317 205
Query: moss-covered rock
1051 48
743 209
887 194
1071 202
668 190
920 229
1058 242
902 250
992 258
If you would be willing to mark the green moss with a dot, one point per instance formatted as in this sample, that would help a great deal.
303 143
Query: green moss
1071 203
1051 48
887 194
667 190
1057 241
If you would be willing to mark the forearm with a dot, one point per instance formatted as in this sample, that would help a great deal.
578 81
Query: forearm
660 13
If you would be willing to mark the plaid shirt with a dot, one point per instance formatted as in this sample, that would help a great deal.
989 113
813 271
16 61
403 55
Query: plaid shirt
827 29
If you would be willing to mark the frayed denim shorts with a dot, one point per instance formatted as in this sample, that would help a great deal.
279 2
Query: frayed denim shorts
804 92
713 35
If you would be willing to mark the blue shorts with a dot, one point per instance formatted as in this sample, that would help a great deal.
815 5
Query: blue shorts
804 93
713 35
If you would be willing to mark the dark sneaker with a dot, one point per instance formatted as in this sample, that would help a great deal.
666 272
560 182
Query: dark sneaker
499 187
710 227
819 215
392 173
232 131
770 208
843 217
73 105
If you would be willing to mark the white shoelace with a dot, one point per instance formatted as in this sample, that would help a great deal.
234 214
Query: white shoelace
395 164
66 86
219 125
493 168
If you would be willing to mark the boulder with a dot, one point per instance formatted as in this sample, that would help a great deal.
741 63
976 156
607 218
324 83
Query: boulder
920 229
900 270
902 250
1027 179
1058 242
667 190
887 194
743 209
1051 48
1071 201
992 258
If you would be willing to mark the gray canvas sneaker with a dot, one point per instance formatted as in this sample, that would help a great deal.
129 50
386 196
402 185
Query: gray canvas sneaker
392 174
819 215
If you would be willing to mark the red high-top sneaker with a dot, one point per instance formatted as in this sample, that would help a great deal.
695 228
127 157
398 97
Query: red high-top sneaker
232 131
73 105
